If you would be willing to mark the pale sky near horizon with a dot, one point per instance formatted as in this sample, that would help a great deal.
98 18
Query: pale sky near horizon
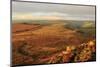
44 11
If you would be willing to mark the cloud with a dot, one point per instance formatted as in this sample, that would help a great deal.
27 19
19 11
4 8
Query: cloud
45 11
51 16
30 7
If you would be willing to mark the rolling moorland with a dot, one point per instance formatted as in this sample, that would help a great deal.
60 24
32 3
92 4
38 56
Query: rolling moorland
50 42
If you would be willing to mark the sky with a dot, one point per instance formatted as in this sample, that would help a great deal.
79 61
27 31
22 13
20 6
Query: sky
45 11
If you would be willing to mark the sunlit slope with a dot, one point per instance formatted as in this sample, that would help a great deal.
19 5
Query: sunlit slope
36 42
53 31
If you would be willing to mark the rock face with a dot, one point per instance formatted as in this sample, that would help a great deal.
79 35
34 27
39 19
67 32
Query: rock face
82 53
47 44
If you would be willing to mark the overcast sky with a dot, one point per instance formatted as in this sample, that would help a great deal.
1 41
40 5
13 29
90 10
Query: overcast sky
43 11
